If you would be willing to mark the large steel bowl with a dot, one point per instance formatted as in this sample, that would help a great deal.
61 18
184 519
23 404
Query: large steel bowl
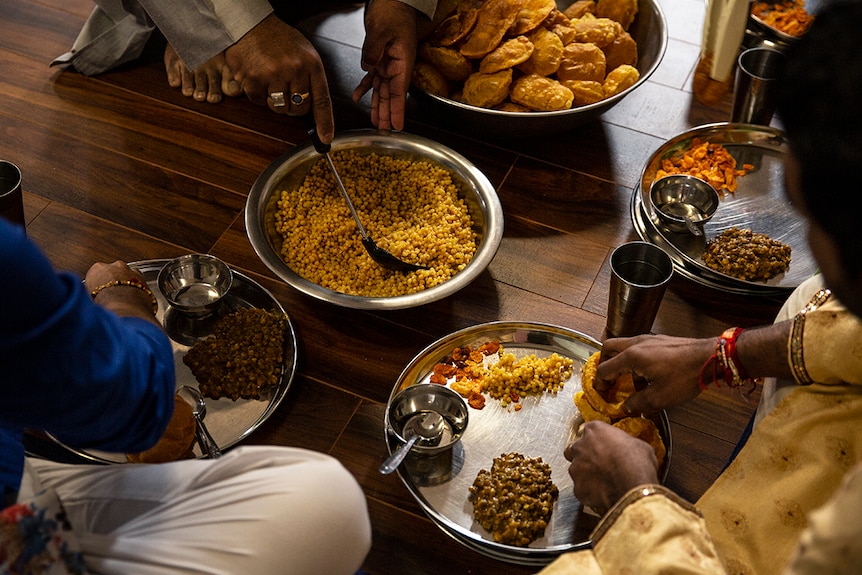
649 30
290 169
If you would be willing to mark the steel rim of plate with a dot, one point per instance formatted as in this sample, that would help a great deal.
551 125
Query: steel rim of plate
414 372
288 369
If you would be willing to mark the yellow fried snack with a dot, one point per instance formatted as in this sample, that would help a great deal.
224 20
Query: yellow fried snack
585 92
487 90
622 11
623 50
531 15
451 64
582 61
547 53
427 78
579 9
588 412
646 430
492 21
541 93
619 79
177 440
610 404
599 31
559 24
456 26
507 55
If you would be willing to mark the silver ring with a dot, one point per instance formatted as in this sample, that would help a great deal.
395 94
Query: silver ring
298 98
277 99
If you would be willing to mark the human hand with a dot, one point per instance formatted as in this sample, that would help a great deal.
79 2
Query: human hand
122 300
274 57
607 462
388 54
670 365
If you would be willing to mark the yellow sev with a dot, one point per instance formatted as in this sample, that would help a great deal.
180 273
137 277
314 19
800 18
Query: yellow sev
709 162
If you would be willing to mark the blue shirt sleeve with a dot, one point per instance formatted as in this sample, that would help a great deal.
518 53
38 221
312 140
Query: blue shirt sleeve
71 367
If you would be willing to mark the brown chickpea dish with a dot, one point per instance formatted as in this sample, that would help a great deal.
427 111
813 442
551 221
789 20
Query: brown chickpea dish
747 255
411 208
243 356
515 499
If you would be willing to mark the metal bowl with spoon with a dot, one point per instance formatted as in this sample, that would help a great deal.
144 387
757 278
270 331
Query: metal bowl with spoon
378 254
426 427
199 409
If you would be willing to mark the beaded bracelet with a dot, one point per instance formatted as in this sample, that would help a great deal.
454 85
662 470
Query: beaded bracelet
727 358
132 282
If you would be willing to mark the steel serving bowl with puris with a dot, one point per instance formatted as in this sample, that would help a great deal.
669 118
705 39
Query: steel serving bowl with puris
273 234
443 99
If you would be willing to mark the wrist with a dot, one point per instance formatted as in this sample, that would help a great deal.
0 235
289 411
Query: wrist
725 364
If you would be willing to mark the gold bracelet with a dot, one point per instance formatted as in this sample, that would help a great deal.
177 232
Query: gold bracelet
797 359
133 282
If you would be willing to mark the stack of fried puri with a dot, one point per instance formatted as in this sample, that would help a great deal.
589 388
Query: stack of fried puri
608 406
527 55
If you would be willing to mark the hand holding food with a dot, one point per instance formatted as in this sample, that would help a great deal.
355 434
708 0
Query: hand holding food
606 462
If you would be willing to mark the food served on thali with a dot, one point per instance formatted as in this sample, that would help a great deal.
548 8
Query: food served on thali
710 162
608 406
526 55
177 440
514 501
747 255
242 358
489 369
787 16
412 208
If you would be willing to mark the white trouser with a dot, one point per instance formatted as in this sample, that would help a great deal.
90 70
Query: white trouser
255 510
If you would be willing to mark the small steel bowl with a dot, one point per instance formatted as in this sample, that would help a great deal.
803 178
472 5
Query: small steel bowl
195 283
428 463
291 169
674 197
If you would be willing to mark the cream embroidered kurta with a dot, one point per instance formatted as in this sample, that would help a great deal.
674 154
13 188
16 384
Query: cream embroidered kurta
784 487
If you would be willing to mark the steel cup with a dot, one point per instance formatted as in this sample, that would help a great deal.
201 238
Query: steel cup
640 272
11 196
755 74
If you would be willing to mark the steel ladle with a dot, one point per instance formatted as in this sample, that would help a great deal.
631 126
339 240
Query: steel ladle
427 427
378 254
199 409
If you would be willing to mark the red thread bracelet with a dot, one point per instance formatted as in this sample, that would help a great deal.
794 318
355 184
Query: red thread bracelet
727 358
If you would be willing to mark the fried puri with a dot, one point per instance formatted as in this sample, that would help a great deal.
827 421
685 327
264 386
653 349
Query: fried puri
547 53
541 93
619 79
456 26
582 61
645 430
599 31
557 23
487 90
579 9
585 92
507 55
623 50
531 15
610 402
451 64
492 21
428 79
622 11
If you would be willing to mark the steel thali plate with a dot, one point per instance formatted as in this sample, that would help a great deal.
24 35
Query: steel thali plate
759 204
542 428
228 421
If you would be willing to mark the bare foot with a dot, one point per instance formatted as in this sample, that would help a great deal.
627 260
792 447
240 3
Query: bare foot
210 82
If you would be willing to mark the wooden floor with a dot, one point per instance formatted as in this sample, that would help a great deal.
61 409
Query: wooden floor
122 167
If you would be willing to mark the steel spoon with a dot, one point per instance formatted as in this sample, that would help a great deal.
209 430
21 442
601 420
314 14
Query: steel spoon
427 427
378 254
199 409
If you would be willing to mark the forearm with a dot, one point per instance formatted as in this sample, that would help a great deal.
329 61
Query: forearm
426 7
762 351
